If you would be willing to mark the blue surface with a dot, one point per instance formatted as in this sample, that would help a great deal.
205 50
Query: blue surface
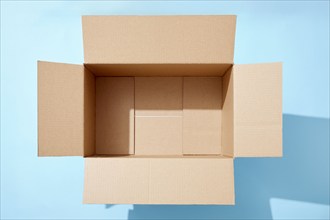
295 186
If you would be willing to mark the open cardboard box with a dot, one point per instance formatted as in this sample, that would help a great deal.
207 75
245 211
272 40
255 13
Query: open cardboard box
159 110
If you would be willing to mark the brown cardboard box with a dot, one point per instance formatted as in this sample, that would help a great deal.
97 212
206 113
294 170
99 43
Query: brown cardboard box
159 110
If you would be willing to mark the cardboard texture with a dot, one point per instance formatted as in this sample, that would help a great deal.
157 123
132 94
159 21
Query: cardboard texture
89 113
227 135
202 100
159 110
158 115
158 96
158 135
179 69
159 180
258 110
62 130
115 115
159 39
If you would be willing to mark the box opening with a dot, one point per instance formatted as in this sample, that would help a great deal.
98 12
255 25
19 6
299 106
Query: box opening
138 114
163 69
159 156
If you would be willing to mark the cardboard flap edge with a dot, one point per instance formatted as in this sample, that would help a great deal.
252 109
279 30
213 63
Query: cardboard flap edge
60 109
258 110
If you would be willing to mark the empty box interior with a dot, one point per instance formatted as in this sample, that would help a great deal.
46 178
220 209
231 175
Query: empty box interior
155 115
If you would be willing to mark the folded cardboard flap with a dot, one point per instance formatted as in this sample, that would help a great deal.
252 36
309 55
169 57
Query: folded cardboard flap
154 180
257 110
159 39
65 112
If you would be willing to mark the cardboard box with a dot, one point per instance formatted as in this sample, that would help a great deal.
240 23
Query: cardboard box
159 110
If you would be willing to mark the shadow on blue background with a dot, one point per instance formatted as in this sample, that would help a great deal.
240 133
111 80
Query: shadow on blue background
302 174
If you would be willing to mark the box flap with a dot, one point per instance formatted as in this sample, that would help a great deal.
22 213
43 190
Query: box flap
129 180
65 100
159 39
257 110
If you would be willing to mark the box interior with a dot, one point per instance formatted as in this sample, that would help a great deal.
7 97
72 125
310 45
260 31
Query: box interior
155 110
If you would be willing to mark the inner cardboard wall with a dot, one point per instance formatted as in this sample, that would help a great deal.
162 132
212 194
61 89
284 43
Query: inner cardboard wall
114 115
202 115
158 116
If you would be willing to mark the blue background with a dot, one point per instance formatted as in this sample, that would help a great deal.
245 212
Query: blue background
295 186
